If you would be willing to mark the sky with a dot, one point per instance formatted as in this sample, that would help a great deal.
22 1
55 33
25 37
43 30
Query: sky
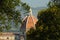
36 3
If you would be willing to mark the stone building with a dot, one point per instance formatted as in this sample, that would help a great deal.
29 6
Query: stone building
7 36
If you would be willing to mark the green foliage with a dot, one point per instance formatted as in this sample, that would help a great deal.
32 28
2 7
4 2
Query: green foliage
8 13
48 25
25 6
54 3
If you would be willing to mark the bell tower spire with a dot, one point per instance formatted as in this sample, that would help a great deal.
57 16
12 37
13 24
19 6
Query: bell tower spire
28 23
30 11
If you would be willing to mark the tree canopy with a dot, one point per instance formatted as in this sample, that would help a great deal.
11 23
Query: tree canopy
48 25
9 14
54 3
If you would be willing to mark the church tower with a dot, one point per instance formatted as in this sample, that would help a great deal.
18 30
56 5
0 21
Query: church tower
28 23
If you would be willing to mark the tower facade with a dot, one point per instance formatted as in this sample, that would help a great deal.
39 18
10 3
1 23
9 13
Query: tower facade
28 23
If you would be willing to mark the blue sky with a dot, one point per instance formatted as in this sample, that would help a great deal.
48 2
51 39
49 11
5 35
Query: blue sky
36 3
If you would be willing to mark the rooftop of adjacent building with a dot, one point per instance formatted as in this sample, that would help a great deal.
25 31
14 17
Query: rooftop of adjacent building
6 34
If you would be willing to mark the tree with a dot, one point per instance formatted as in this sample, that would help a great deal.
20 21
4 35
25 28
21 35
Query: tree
54 3
25 8
48 25
9 14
